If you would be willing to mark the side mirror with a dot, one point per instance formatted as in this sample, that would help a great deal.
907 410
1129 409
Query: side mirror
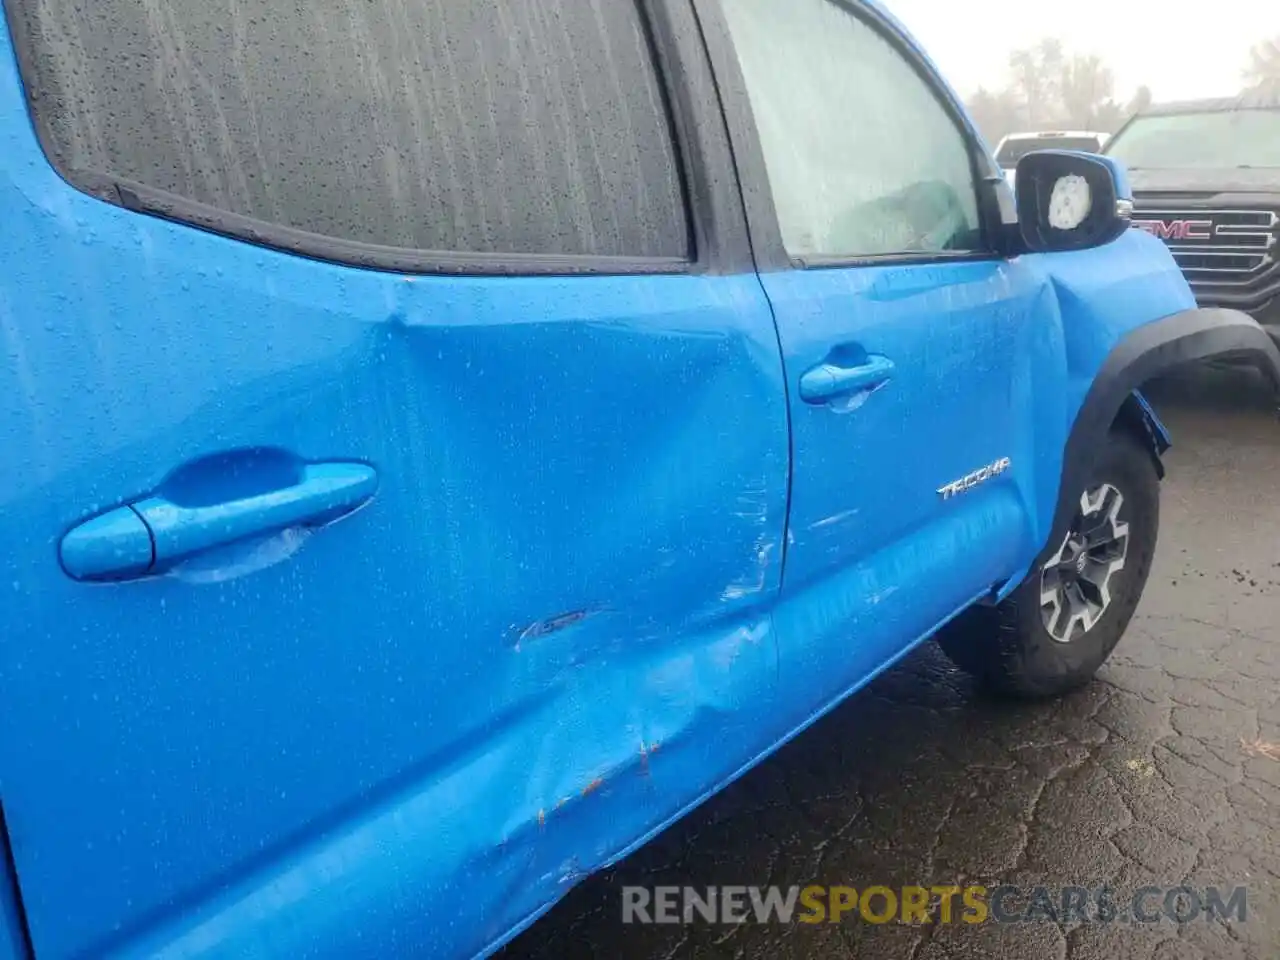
1071 201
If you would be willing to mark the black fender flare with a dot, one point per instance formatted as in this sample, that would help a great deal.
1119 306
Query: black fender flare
1150 350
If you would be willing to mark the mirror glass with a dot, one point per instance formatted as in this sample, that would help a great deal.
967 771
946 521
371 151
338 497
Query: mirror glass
1070 202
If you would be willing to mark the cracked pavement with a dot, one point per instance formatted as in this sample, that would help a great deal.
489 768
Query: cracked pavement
1164 771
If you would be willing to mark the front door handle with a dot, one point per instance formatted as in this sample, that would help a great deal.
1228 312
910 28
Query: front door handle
151 535
830 381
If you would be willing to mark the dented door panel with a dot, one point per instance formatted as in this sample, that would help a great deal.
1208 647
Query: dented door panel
545 634
992 362
878 552
560 621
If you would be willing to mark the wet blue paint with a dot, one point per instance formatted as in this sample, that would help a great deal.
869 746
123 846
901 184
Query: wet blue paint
405 716
562 619
12 941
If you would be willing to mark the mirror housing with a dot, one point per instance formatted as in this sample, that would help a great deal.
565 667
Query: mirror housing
1071 201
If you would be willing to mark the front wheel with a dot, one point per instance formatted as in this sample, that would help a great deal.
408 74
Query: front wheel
1059 626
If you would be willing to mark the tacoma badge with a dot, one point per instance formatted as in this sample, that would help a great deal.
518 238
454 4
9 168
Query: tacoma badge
972 480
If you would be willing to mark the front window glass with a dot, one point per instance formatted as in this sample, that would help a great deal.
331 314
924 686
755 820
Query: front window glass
863 159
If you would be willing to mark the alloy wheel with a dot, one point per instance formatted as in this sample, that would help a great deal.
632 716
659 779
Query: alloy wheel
1075 584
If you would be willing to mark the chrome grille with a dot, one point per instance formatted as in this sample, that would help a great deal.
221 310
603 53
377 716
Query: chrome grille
1218 247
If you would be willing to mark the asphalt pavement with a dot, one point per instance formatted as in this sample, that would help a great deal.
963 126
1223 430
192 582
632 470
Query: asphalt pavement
1164 772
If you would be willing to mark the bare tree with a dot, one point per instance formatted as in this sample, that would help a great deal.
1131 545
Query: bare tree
1141 101
1036 76
995 114
1048 87
1263 70
1086 87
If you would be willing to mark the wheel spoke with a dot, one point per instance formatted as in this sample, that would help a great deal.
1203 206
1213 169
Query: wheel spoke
1108 550
1051 600
1099 535
1075 583
1091 593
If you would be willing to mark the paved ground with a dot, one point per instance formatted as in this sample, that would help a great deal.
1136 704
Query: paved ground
1166 770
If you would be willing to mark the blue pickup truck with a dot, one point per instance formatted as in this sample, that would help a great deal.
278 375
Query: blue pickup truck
443 443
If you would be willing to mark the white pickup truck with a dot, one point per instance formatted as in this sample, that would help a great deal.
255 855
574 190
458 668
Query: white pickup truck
1013 147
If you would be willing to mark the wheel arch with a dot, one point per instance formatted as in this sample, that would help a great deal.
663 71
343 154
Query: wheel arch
1114 399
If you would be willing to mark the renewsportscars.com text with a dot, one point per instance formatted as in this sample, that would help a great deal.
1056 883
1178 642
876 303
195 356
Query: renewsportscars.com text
933 904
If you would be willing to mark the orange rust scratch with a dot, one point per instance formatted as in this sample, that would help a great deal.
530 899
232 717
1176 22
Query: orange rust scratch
592 787
542 818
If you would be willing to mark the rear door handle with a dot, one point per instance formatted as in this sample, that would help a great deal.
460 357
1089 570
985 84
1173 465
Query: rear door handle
830 381
146 537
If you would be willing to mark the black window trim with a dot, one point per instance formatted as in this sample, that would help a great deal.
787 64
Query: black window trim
766 233
715 245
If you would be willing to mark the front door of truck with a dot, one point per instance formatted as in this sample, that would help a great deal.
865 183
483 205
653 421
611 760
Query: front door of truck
387 473
907 341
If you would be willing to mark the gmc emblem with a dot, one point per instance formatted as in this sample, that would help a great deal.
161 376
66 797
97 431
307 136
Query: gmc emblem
1177 229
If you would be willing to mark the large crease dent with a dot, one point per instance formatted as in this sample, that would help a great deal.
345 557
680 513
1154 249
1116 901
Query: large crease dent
530 802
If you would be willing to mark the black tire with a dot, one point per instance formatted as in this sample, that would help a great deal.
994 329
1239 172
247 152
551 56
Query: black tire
1008 647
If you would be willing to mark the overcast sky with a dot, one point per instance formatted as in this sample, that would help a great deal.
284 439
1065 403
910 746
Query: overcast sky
1180 49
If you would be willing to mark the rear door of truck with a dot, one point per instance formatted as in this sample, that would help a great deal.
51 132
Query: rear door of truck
392 458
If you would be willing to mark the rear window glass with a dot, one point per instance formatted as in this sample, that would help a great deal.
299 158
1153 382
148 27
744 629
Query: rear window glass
494 127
